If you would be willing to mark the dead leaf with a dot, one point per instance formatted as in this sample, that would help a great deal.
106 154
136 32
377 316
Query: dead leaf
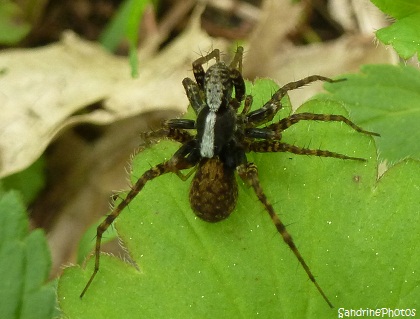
270 54
45 90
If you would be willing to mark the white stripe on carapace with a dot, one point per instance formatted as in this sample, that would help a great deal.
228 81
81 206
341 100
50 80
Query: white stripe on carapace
207 143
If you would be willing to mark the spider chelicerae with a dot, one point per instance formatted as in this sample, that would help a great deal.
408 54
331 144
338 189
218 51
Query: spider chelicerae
223 136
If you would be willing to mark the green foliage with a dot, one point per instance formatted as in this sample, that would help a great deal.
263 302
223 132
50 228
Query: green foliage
28 182
125 24
12 25
24 265
384 99
87 243
358 235
398 8
404 34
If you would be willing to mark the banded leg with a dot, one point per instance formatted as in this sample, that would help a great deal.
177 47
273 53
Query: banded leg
237 59
247 104
183 124
194 95
174 165
276 146
267 112
198 70
295 118
249 174
236 77
175 134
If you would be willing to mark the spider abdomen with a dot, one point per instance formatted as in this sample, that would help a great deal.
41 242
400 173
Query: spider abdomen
213 190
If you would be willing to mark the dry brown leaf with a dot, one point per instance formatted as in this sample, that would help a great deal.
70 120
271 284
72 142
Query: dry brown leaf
344 55
277 19
45 90
270 54
361 16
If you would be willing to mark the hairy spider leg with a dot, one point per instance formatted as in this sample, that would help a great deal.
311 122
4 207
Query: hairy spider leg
267 112
249 174
184 124
171 131
239 85
175 130
193 89
247 104
179 161
295 118
237 59
276 146
236 77
194 95
198 70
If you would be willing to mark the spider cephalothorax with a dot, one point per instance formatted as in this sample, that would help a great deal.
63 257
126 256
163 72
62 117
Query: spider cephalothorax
222 138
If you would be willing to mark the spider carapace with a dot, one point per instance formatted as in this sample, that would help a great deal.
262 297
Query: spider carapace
223 136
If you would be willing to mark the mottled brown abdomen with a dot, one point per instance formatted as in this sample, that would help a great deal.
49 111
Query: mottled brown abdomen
213 190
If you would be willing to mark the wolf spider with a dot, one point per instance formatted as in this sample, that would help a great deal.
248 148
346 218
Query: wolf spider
220 142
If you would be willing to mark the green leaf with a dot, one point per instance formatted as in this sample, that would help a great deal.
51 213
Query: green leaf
398 8
13 28
115 30
24 265
384 99
28 182
404 34
338 214
87 243
126 24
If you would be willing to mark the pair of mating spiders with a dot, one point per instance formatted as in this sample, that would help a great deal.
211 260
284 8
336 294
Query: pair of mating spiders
218 148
